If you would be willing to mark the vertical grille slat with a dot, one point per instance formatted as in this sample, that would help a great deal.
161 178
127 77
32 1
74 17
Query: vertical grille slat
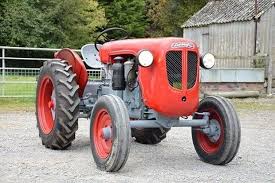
192 69
174 68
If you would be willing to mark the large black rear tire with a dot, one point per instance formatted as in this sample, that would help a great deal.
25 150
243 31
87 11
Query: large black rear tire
149 135
221 148
57 104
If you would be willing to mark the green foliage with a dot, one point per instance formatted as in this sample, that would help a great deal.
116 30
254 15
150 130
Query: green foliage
49 23
19 24
127 14
76 20
150 18
167 16
72 23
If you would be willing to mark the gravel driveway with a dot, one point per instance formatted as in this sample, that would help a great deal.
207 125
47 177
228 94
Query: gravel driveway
24 159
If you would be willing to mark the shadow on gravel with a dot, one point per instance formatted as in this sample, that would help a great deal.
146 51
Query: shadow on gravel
80 144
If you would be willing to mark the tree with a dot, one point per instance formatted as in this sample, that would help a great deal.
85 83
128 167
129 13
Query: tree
167 16
19 24
128 14
49 23
150 18
83 21
76 20
72 23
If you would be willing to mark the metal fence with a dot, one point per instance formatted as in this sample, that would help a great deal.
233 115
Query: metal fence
20 82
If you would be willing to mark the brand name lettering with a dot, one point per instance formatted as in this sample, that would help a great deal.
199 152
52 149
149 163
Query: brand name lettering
182 45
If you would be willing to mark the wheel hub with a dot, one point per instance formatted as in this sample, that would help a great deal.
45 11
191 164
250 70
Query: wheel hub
52 103
210 138
214 130
107 133
102 133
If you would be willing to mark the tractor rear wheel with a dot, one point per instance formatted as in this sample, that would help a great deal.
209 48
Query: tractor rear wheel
110 133
57 105
219 143
149 135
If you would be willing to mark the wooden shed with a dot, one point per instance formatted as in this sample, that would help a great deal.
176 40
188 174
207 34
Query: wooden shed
241 35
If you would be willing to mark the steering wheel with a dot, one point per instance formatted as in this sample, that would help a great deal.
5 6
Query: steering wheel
107 39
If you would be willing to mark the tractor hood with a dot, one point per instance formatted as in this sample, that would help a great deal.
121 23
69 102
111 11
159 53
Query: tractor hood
170 85
133 46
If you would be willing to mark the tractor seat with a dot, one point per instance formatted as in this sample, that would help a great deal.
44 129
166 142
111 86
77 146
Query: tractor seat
91 56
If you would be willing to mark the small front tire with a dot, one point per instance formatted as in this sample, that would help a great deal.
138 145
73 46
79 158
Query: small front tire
110 153
222 146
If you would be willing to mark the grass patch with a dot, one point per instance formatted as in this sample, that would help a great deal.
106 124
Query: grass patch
17 89
19 78
17 104
14 91
254 105
17 86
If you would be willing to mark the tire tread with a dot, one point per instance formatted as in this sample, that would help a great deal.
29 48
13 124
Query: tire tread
233 135
66 122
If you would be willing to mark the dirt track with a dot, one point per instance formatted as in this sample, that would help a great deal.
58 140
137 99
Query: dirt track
24 159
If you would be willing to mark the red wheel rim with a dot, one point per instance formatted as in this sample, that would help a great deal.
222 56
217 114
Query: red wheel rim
103 146
46 105
203 140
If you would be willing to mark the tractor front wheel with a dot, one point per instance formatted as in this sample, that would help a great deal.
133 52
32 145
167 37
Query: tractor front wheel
110 133
219 142
57 105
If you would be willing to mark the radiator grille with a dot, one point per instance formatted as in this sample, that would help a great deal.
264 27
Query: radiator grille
174 68
192 69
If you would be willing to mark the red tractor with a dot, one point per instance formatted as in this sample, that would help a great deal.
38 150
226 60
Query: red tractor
147 87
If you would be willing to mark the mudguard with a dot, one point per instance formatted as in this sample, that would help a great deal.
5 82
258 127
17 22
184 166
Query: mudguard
78 67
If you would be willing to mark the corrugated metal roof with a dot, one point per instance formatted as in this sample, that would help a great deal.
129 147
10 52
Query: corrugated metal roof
224 11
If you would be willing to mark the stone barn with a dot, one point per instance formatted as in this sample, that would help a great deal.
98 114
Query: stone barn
241 35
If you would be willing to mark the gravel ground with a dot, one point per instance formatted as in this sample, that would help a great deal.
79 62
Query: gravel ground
24 159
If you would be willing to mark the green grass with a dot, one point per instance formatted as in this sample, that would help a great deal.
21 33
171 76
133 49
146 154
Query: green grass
17 86
17 104
18 93
19 78
261 104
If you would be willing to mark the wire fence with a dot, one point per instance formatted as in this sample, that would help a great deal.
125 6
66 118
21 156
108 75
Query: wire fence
17 82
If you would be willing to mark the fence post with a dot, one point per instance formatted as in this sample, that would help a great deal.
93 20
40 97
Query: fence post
3 71
3 64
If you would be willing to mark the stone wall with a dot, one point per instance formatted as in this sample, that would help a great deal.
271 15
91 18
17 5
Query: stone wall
232 87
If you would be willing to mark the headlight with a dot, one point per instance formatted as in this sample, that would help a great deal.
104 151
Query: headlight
207 61
145 58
